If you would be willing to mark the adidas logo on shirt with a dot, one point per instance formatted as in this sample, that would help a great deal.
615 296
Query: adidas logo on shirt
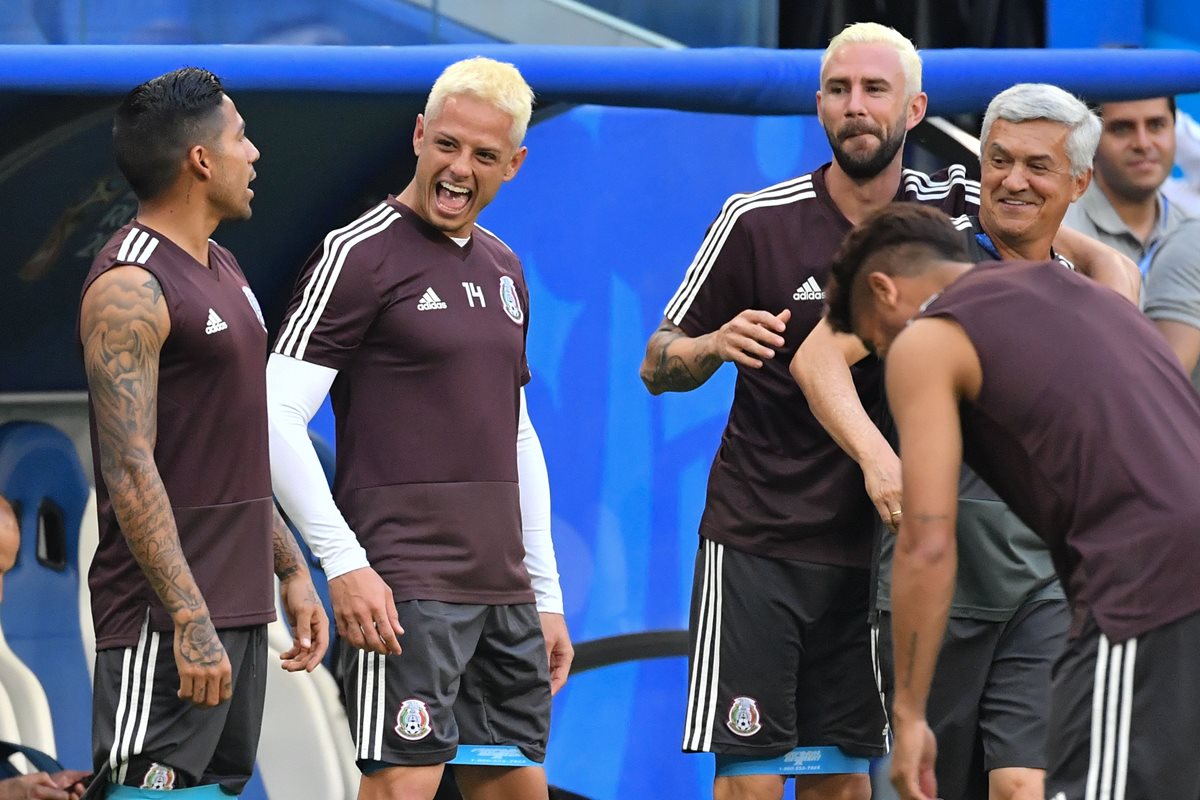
430 301
215 323
809 290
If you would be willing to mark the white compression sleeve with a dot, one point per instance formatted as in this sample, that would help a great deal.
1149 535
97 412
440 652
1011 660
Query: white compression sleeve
535 516
295 390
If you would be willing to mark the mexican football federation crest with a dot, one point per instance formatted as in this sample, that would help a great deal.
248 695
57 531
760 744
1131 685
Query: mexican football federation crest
159 777
254 305
511 300
412 720
744 719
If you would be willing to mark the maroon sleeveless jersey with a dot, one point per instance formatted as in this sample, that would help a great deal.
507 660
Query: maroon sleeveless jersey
428 338
211 449
1087 426
779 485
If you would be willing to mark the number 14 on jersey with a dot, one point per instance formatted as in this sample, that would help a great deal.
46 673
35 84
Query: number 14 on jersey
473 293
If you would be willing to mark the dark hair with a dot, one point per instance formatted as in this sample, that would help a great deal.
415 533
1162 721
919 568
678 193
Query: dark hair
920 229
158 121
1099 107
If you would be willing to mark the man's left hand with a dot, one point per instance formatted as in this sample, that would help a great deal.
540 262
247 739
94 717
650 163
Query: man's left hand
559 651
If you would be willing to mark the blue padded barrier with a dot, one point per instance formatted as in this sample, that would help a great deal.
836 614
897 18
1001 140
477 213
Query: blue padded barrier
41 475
737 80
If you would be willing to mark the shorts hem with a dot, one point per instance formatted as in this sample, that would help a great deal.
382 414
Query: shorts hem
742 751
432 758
1006 763
533 755
861 750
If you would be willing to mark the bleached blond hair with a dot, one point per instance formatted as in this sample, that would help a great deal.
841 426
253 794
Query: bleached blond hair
492 81
874 33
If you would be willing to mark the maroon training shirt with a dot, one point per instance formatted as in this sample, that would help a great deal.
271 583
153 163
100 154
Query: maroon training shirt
1087 426
211 450
779 485
429 342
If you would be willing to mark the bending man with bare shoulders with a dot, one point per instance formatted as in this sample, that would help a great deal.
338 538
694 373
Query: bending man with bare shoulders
1083 423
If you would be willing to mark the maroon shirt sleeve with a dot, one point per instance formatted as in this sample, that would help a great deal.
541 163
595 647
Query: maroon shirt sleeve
331 307
719 283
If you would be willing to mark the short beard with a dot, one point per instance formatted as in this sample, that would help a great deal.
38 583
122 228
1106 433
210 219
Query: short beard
863 168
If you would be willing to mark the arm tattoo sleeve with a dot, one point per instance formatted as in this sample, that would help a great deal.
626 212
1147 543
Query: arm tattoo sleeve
124 324
664 372
288 558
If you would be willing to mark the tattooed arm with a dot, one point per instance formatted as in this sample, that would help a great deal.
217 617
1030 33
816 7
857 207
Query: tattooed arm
676 362
305 613
931 367
123 324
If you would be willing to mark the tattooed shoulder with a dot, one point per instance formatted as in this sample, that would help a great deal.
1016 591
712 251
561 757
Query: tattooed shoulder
122 297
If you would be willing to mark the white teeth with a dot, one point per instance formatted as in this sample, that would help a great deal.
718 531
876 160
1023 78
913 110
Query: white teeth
451 188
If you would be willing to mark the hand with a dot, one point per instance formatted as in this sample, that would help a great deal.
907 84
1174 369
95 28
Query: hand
365 611
747 339
40 786
559 651
205 675
72 781
913 757
882 478
307 618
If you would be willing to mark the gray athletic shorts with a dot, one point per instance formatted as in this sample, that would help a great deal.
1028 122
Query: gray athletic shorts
1125 717
987 704
781 657
469 674
143 735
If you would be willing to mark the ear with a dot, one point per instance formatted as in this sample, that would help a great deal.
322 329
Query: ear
1080 184
514 164
199 161
418 134
883 288
917 104
818 103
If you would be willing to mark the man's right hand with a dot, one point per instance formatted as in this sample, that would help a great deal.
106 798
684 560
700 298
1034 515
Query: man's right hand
205 674
749 338
365 611
63 785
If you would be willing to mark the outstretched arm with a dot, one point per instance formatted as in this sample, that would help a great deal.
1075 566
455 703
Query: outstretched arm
821 367
676 362
925 374
123 324
362 603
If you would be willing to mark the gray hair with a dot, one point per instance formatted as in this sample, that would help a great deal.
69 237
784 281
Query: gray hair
1032 101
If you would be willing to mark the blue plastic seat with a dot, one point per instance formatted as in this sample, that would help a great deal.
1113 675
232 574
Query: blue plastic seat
40 474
